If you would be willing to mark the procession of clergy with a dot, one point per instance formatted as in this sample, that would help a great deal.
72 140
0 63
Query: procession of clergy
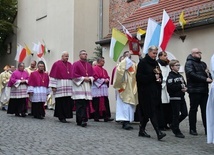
83 88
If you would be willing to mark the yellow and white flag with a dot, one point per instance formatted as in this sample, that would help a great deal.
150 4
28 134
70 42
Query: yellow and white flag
140 32
182 21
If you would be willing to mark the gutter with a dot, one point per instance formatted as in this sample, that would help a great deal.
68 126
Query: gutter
101 20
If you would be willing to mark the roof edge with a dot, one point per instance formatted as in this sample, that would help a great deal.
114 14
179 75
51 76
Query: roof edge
201 23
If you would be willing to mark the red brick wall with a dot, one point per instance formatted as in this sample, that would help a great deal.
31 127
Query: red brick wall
120 10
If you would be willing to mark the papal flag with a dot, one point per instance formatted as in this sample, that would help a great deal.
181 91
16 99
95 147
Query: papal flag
118 42
182 21
28 49
140 32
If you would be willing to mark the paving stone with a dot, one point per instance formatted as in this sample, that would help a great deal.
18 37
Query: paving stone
28 136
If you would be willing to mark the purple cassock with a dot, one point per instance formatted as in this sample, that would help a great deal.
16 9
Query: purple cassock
82 68
18 75
60 78
18 93
38 78
61 70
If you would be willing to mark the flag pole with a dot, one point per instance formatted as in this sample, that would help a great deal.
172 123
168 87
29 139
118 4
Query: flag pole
119 23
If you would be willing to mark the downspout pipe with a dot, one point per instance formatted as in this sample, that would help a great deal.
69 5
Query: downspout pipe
101 20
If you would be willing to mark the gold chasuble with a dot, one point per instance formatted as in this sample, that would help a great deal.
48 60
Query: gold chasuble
125 81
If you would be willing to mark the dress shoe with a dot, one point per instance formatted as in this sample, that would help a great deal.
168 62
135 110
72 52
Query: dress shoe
160 134
17 115
79 124
143 134
192 132
23 115
96 120
179 135
167 128
4 109
63 121
162 129
84 124
108 120
39 117
126 126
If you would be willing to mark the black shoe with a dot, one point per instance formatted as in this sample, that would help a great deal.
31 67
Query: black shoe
30 114
96 120
84 124
167 128
162 129
143 134
79 124
63 121
40 117
4 109
17 115
108 120
192 132
179 135
23 115
126 126
161 135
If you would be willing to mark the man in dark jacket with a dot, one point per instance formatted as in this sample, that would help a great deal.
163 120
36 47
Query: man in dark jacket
198 78
149 79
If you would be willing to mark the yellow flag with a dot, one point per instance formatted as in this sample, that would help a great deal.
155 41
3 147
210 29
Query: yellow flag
27 50
182 21
139 33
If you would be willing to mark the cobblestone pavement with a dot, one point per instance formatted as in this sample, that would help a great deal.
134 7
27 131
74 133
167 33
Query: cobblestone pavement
28 136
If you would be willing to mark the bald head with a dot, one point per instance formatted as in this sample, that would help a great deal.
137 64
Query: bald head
194 50
196 53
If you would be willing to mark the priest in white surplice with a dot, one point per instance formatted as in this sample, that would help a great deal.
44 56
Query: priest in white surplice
210 109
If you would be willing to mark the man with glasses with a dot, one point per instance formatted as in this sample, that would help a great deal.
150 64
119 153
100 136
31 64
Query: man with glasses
82 76
198 78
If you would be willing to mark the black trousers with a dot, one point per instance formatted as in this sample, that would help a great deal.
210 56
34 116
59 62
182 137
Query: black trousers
81 110
167 112
197 99
98 114
63 107
179 113
145 118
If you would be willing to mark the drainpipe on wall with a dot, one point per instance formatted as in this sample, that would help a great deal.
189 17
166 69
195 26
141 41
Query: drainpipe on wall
101 20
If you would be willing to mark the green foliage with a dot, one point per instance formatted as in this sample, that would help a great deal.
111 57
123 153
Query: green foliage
8 10
98 53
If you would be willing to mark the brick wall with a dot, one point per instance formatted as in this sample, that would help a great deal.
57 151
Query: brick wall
120 10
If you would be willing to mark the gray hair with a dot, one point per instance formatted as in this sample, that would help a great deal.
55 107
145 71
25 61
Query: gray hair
151 48
64 52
